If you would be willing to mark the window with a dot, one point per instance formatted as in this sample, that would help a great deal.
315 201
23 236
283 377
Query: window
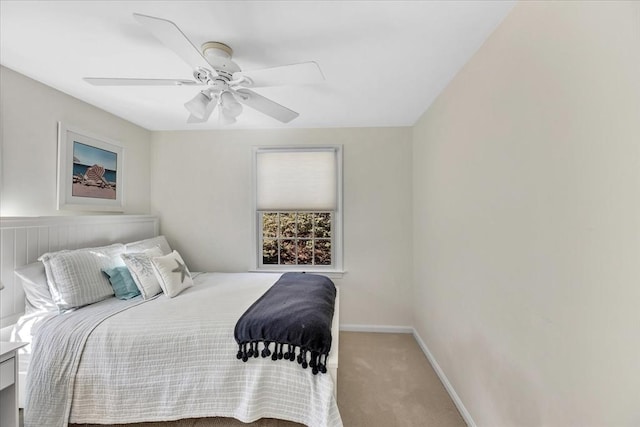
298 218
296 238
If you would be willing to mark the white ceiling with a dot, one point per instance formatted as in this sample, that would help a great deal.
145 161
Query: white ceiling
384 61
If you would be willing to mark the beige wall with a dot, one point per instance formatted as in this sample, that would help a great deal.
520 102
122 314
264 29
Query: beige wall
29 113
527 220
201 188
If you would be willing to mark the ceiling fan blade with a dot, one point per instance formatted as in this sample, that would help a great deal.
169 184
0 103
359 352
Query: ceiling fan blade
102 81
169 34
303 73
265 105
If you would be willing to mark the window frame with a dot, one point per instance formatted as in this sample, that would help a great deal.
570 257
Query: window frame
336 218
261 238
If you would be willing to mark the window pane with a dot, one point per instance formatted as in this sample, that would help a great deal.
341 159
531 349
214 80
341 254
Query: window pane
305 252
288 224
305 225
323 252
323 224
297 238
288 252
270 251
270 225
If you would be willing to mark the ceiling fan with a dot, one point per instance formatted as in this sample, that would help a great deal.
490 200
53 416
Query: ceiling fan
226 85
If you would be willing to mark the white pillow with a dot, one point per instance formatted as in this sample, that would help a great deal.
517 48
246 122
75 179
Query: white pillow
172 273
139 265
75 276
36 289
143 245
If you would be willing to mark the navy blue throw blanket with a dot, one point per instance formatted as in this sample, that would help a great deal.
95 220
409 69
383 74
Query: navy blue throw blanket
295 314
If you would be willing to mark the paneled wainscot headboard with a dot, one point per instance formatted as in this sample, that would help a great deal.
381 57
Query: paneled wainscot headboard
24 239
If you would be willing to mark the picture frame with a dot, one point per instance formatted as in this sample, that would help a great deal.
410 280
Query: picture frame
90 171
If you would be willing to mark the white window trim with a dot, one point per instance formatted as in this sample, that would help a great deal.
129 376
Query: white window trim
334 271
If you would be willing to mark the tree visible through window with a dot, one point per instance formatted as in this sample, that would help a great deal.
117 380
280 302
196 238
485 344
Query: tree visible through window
296 238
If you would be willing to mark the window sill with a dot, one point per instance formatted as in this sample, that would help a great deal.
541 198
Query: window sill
332 274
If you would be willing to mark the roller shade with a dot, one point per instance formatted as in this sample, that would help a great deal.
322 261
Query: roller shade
296 179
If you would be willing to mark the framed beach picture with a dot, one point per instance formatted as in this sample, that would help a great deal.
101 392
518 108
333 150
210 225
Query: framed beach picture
90 171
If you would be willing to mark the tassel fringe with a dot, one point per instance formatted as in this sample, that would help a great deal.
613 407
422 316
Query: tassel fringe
316 361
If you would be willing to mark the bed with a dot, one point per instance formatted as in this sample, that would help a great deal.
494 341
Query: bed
165 358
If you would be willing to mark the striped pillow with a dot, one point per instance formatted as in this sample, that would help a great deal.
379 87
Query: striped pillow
143 245
75 276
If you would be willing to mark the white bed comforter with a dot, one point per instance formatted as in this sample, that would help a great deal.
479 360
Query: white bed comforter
168 359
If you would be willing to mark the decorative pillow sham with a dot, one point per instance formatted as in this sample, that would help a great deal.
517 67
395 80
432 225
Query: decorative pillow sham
36 289
122 283
143 245
139 265
172 273
75 276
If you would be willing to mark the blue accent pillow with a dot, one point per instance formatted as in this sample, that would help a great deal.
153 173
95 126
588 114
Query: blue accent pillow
122 282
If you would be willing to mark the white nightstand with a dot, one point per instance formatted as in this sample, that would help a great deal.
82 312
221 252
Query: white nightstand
9 383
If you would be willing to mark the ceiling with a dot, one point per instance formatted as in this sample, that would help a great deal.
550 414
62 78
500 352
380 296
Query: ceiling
384 62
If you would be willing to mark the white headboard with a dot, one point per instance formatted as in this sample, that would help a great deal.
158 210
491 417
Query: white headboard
24 239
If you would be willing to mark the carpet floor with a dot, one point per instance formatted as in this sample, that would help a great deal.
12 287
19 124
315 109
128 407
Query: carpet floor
383 380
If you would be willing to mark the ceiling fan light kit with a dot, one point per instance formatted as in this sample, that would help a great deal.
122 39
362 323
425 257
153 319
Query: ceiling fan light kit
198 105
226 83
229 105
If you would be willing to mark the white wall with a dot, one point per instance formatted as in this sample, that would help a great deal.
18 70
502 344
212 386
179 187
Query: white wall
29 112
201 188
527 220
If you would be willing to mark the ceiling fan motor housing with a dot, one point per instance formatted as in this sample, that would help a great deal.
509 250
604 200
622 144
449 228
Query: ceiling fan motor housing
217 48
219 56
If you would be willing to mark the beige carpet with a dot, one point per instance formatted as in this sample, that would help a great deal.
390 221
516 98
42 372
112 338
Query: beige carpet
383 380
386 380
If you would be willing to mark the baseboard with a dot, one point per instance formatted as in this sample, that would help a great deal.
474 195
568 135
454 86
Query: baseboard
378 328
445 381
